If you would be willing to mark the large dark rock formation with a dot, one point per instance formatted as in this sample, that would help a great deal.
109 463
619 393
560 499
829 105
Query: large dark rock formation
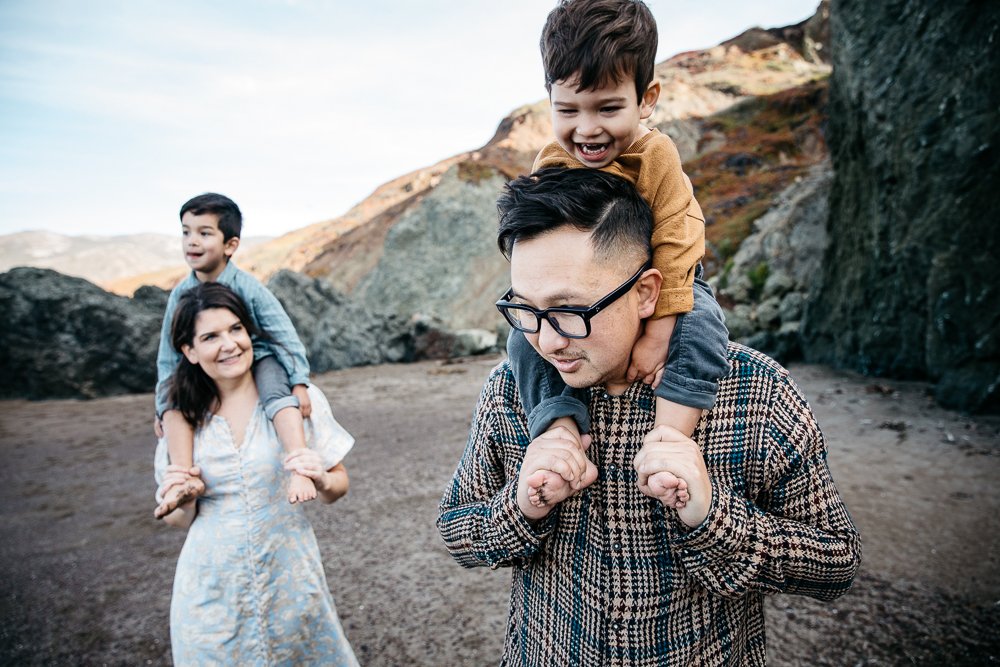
64 337
911 280
67 338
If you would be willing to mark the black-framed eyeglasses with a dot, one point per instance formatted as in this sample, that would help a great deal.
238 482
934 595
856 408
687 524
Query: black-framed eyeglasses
568 321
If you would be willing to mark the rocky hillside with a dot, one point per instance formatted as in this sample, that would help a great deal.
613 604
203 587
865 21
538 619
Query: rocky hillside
696 85
99 259
107 261
910 285
423 244
67 338
412 271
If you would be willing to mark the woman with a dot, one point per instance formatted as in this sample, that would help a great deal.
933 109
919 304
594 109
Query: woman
249 587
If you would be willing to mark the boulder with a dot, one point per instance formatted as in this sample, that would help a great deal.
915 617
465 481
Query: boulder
441 259
65 337
337 331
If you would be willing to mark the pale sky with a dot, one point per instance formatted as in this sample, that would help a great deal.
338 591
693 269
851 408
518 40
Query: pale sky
113 113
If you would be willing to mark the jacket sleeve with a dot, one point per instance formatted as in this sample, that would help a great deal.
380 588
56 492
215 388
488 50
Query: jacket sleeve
287 347
478 517
678 224
797 537
167 357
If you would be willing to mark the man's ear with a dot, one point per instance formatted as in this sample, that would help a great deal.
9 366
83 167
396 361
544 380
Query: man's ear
231 245
648 101
190 354
649 292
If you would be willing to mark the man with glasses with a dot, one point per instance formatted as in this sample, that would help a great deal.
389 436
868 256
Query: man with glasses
605 573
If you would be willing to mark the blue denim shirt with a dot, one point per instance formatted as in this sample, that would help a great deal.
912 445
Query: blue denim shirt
266 313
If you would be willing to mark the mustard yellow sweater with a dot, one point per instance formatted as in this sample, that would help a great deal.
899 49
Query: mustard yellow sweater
653 165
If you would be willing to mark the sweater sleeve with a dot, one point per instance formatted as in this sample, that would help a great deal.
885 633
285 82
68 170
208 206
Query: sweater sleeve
478 516
678 224
796 537
552 155
653 166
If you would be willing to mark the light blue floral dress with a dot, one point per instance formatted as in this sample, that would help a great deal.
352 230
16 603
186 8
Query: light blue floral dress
249 587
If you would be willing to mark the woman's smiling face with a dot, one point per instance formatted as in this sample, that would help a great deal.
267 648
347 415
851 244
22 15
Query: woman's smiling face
221 345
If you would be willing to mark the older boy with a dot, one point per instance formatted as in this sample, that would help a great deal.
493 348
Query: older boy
599 57
210 229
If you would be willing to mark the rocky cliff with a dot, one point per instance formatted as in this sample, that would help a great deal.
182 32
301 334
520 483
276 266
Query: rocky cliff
910 283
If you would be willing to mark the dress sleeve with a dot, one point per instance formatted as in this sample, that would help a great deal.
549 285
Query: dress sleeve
324 434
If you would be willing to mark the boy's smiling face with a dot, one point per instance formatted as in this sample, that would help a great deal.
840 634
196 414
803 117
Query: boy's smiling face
205 251
596 126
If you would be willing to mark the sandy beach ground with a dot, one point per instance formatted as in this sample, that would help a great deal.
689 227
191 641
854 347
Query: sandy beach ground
87 572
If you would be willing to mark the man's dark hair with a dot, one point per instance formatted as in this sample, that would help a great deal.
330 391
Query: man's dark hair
609 207
601 41
224 208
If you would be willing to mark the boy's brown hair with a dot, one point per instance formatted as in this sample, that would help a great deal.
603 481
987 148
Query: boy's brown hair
601 41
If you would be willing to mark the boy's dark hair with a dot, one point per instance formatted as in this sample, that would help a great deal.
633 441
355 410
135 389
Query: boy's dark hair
609 207
224 208
190 389
601 41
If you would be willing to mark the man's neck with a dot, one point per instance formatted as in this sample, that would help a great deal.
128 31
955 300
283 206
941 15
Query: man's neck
617 388
615 382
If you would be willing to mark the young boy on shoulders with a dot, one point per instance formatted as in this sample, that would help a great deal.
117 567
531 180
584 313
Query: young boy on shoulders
599 57
210 234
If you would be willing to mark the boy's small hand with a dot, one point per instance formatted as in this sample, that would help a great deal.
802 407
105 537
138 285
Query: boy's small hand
648 360
157 427
300 392
649 354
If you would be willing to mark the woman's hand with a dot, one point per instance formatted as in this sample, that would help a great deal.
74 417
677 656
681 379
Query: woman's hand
306 462
331 484
177 494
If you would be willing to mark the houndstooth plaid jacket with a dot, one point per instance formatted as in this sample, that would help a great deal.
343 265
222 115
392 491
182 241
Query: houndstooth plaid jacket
611 577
